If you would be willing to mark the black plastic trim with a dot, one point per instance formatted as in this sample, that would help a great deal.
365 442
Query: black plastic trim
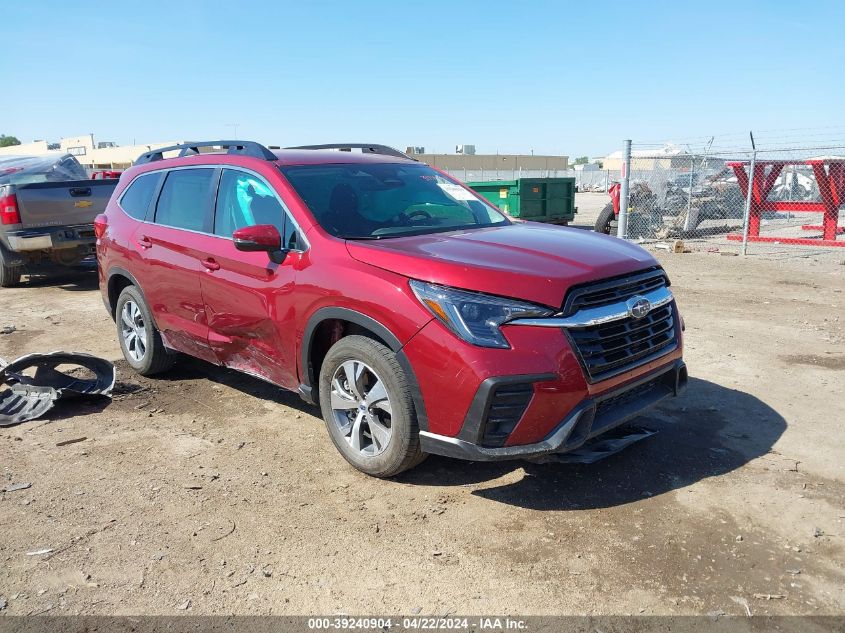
472 429
242 148
307 394
117 270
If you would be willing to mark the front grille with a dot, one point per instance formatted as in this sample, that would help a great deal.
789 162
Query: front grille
613 290
507 405
613 347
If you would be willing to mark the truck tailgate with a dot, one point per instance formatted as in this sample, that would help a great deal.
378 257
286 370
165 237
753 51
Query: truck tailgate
47 204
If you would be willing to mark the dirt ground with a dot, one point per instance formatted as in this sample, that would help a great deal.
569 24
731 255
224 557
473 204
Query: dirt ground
212 492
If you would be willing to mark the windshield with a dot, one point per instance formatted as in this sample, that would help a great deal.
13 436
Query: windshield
380 200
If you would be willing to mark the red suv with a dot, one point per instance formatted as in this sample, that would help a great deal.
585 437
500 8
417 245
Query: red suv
418 316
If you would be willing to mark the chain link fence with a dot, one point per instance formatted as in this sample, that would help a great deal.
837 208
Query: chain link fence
698 193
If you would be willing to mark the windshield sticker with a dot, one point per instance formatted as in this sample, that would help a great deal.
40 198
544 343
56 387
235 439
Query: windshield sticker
455 191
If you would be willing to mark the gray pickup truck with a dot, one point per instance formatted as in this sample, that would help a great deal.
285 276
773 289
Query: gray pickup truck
47 210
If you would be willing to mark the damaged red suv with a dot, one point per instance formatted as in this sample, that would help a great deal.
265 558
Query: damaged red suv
415 314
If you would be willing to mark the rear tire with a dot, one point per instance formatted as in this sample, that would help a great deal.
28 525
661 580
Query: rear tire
139 339
10 276
368 409
605 223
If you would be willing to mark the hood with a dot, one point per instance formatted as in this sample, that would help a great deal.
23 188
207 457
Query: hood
527 260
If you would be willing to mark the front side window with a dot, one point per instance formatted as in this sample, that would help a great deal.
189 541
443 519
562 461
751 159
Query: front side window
245 200
136 199
381 200
184 199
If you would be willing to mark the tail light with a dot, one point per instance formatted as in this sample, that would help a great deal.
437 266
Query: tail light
100 223
9 213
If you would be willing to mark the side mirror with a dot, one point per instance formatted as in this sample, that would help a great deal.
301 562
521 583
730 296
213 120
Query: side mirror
261 237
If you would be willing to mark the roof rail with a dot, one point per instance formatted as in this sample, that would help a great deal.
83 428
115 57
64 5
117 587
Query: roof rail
366 148
245 148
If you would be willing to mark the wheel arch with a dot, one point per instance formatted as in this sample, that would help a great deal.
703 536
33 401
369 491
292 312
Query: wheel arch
118 279
320 334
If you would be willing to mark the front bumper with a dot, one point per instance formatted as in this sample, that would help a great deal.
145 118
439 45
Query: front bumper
589 418
534 398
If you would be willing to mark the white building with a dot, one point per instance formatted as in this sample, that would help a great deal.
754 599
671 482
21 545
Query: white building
92 155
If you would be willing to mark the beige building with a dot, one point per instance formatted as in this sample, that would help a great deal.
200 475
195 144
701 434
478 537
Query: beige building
494 162
92 155
668 157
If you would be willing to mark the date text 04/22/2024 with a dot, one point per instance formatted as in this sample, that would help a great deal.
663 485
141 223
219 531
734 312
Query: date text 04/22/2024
424 623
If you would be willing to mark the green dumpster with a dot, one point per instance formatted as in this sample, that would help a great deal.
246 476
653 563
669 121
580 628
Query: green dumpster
537 199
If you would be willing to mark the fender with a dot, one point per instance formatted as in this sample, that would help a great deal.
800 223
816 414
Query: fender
308 388
117 270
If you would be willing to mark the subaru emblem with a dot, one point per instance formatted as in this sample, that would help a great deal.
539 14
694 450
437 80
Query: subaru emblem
638 306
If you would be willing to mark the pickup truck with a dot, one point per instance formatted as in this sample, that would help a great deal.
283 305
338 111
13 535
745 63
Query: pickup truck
47 210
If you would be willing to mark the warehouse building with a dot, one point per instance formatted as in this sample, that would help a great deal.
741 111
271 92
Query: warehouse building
107 155
493 162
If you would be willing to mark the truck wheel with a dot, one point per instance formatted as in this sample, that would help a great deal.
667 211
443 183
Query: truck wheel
606 222
368 409
139 339
10 276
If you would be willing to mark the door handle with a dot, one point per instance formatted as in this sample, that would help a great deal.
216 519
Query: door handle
145 242
79 192
210 264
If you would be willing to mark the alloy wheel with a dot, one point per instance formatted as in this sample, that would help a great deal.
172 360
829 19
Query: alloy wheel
133 330
361 407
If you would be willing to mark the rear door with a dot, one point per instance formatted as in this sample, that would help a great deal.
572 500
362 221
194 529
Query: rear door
169 273
248 298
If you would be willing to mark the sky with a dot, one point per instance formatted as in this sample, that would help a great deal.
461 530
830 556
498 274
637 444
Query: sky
556 77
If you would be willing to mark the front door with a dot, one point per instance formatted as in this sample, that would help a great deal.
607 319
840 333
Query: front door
247 297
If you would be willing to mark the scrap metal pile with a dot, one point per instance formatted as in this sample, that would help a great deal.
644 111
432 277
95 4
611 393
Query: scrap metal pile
35 383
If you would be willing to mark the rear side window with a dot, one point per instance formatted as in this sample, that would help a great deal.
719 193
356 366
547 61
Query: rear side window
184 199
136 199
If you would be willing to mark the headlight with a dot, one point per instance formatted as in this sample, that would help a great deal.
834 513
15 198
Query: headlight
474 317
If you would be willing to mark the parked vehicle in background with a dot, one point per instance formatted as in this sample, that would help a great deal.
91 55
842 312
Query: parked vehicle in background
644 216
681 207
47 210
105 174
418 316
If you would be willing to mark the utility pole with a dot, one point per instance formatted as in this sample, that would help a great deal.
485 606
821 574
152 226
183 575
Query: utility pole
622 230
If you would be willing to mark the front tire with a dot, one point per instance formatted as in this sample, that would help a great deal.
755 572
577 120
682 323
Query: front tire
367 407
139 339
